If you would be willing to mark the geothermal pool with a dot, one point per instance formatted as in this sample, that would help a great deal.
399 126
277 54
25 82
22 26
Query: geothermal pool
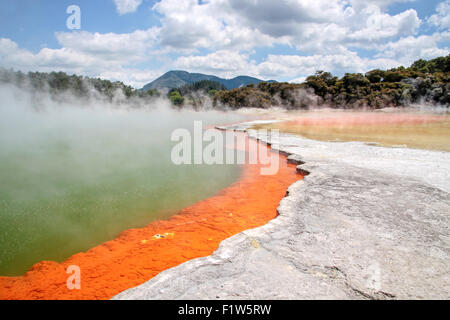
74 176
413 128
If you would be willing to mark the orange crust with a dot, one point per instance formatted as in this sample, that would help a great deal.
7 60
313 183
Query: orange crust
137 255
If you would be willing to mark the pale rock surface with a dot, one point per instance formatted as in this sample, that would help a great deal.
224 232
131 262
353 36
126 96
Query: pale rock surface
366 223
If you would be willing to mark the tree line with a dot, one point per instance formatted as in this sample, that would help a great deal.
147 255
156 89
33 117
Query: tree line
194 94
422 82
60 83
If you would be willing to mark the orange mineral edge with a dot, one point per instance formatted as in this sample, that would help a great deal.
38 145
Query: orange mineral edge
137 255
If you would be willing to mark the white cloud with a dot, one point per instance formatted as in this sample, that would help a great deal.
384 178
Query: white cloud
230 64
91 54
310 25
322 30
186 24
298 80
131 76
381 25
442 17
380 3
296 65
326 33
286 17
113 46
127 6
223 63
409 49
46 59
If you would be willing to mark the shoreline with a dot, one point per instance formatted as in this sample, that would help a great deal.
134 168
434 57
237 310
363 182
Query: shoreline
138 255
365 223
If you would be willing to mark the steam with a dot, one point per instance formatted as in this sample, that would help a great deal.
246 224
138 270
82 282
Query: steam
304 99
77 171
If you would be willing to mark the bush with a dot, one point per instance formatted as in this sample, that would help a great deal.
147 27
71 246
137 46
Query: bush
176 98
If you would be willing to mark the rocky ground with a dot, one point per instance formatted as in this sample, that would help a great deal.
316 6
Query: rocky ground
367 222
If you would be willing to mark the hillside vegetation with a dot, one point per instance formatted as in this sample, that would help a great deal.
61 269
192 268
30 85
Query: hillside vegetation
425 82
58 84
195 94
177 79
422 82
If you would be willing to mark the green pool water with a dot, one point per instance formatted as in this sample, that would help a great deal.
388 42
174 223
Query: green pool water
76 177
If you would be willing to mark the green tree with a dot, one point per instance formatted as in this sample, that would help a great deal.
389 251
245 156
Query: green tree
375 76
176 98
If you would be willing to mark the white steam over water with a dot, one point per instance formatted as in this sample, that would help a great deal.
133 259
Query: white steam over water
76 173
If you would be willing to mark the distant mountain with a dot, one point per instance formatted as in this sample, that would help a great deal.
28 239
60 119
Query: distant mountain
176 79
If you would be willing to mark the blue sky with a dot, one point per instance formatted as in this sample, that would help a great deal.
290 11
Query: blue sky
135 41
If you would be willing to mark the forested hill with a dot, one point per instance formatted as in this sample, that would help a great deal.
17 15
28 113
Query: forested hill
176 79
59 83
423 82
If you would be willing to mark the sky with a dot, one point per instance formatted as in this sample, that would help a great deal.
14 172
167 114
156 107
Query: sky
136 41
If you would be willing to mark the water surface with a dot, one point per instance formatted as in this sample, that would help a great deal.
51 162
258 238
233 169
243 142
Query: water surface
75 176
